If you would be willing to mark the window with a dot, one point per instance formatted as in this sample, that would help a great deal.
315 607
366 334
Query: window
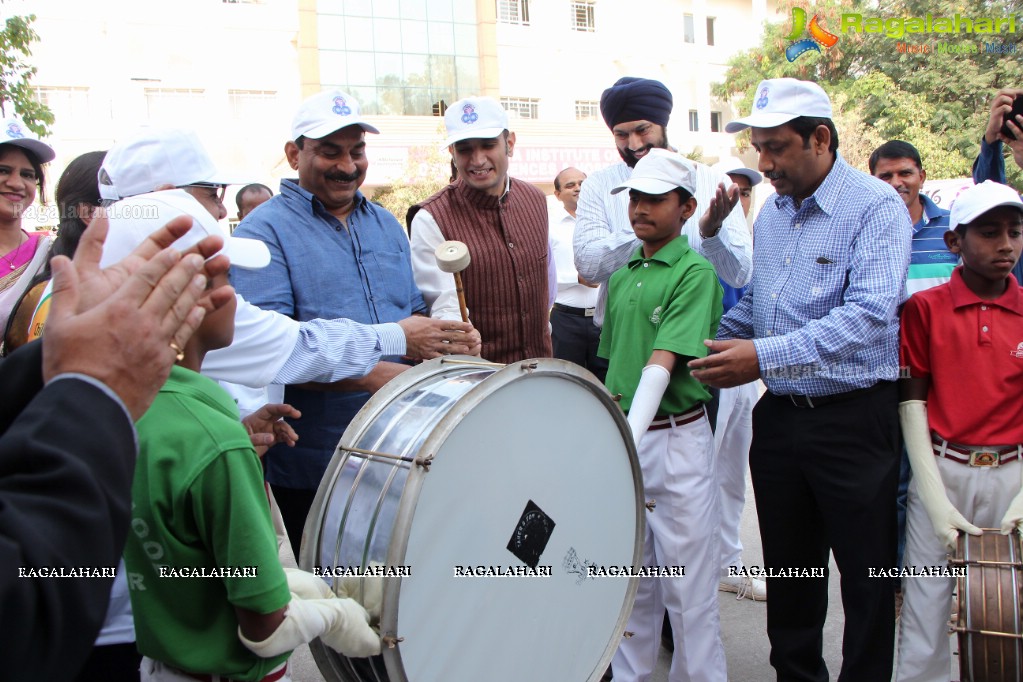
587 110
715 121
250 104
582 15
513 12
689 29
521 107
174 104
710 30
65 103
694 121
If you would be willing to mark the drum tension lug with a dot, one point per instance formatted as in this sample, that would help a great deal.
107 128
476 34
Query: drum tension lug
617 397
528 366
650 505
425 462
627 634
391 641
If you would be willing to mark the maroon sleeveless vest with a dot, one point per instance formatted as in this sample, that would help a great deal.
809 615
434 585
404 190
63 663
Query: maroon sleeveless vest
506 281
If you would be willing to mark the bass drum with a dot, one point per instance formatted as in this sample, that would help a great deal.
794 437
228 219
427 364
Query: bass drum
492 495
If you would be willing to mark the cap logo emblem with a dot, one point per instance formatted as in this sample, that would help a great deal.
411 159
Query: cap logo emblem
1018 353
340 108
469 114
14 131
762 100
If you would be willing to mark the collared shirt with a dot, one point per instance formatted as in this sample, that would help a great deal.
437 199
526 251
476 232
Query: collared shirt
604 239
561 231
670 301
931 263
971 349
323 268
828 277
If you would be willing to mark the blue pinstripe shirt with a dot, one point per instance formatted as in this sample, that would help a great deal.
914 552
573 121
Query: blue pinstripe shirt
827 280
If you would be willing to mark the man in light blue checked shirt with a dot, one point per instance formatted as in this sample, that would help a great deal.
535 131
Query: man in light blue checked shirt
819 324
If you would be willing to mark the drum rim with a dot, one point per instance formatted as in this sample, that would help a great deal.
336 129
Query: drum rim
500 377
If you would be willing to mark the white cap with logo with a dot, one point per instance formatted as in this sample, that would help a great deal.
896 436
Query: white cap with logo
327 112
780 100
733 166
474 118
137 217
153 157
980 199
659 172
15 132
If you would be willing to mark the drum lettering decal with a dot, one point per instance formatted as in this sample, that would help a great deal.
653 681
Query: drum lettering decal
531 535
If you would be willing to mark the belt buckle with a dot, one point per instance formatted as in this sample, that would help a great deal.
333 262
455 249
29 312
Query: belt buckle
588 312
984 458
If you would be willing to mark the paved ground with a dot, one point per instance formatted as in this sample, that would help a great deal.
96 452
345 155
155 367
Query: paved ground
743 624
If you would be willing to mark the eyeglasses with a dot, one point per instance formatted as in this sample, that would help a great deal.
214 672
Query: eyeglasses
216 191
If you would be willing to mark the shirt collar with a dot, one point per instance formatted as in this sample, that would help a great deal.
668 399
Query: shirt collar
482 200
828 194
963 296
669 254
291 189
931 211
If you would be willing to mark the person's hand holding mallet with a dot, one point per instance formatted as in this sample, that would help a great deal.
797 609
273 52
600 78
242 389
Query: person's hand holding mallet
453 257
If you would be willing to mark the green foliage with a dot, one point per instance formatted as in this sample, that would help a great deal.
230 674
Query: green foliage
937 102
426 172
16 75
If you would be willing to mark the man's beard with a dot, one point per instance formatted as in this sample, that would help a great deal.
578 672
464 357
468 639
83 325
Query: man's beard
629 156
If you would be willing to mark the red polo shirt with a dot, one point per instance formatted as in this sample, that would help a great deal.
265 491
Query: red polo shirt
972 352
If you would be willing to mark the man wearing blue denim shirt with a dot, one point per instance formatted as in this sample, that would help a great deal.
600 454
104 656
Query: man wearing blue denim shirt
333 254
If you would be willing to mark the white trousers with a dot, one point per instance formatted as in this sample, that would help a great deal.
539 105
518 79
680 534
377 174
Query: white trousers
732 438
157 671
982 495
678 473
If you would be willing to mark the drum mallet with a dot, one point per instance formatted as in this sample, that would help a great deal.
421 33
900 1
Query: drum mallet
453 257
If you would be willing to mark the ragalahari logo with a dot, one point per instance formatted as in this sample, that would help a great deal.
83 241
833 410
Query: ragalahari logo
818 36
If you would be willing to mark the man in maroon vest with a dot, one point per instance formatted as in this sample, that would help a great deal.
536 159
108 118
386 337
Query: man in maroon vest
509 283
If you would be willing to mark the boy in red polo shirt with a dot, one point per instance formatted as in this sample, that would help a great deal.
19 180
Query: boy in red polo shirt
962 419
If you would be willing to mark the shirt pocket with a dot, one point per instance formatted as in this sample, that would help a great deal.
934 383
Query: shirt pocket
391 284
826 284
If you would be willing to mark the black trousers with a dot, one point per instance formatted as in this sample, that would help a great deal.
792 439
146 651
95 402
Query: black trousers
294 504
825 478
575 338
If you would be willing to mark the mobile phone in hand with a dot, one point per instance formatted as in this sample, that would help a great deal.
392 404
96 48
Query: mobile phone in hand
1017 109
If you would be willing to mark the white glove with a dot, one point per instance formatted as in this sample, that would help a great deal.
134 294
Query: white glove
342 624
306 585
915 431
367 590
1014 514
652 384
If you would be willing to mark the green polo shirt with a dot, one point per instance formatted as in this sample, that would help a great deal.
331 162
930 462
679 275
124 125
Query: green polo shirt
199 508
670 302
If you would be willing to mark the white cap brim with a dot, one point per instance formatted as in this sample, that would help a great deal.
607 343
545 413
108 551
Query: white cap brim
40 150
249 254
325 129
767 120
755 178
480 134
648 186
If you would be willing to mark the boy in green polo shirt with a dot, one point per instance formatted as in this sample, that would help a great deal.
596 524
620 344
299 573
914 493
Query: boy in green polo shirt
660 308
209 595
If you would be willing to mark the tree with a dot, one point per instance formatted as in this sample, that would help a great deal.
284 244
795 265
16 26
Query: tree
426 172
937 102
16 94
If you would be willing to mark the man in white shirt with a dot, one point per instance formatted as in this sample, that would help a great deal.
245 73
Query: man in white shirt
573 335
